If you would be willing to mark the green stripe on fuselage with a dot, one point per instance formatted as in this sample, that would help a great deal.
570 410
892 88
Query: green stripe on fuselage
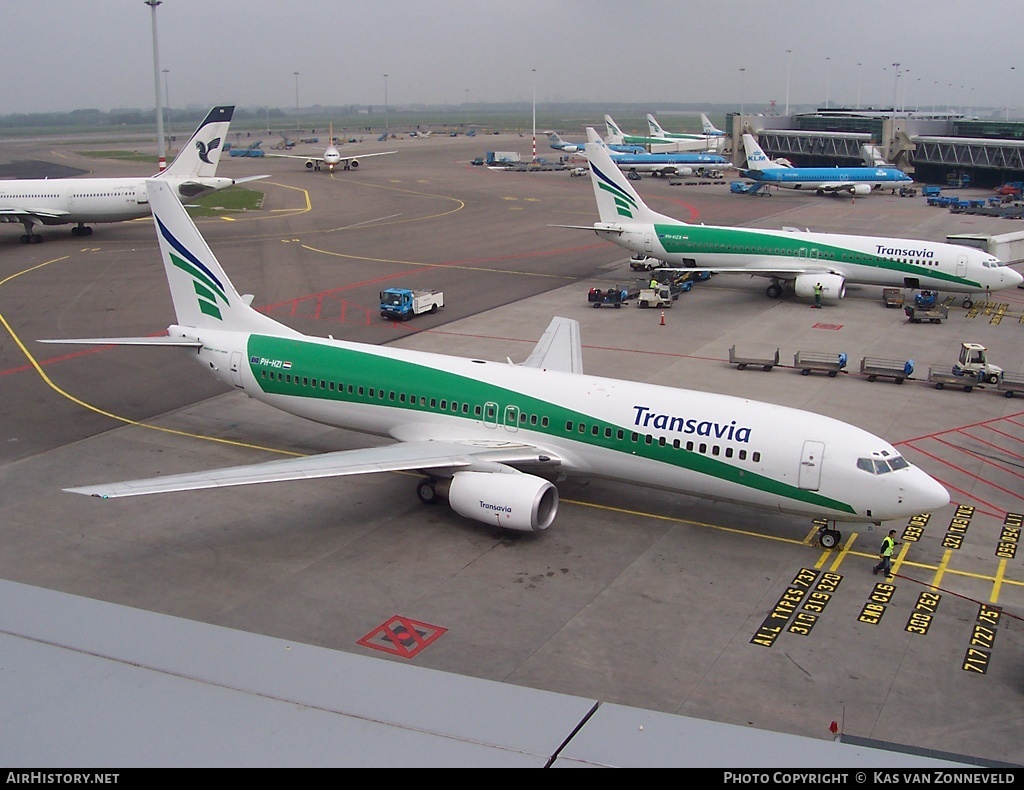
699 239
430 385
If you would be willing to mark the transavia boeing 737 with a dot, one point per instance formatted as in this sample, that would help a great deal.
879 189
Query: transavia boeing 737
830 180
802 259
77 201
485 435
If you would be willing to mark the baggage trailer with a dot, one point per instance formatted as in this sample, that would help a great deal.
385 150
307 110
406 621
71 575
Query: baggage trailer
941 376
934 315
1010 384
898 369
741 363
807 361
893 297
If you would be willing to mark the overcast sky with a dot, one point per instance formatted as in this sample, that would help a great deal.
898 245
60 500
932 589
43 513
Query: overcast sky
63 55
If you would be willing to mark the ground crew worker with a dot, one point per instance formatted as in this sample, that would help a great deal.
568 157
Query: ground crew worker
889 544
654 283
817 295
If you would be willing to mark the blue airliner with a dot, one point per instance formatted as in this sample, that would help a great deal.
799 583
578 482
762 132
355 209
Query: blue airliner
667 164
823 180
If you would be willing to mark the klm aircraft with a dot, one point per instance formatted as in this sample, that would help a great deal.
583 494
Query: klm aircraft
486 436
683 164
802 260
823 180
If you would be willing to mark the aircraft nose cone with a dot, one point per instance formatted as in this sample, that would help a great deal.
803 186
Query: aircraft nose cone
1014 277
926 494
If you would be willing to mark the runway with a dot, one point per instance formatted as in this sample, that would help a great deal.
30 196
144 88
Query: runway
633 596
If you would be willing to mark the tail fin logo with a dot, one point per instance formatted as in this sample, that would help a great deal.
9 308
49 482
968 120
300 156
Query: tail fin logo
205 150
624 203
209 289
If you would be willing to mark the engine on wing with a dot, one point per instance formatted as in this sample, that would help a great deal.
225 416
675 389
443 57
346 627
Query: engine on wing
353 164
833 287
310 164
513 501
861 189
684 171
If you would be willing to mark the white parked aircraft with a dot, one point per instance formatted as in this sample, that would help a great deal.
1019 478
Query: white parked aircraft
486 434
78 201
332 157
803 259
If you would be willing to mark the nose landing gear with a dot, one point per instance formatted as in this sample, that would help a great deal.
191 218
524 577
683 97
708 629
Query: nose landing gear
828 538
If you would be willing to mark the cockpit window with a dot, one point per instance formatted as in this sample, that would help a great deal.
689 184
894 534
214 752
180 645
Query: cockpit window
877 466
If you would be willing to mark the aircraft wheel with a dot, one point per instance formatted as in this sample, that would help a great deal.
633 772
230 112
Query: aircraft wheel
774 291
829 538
76 231
426 492
35 239
968 303
26 239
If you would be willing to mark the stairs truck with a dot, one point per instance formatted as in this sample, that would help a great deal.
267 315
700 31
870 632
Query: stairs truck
403 303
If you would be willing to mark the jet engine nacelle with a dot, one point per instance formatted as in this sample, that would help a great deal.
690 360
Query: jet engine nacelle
684 171
513 501
833 287
310 164
860 189
353 164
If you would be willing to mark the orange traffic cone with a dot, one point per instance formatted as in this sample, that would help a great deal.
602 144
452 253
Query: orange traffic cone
663 318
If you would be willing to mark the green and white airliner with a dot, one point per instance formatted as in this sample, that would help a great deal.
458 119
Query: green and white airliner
801 259
488 436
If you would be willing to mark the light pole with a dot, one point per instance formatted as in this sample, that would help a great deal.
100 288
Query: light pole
467 108
167 96
386 106
828 73
859 72
534 115
161 149
1012 68
895 87
935 95
296 101
789 62
743 106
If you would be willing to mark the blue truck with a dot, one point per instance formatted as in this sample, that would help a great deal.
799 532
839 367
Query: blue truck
403 303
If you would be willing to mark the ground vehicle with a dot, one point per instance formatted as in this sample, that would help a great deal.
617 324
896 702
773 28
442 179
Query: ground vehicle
972 363
655 297
907 192
403 303
893 297
644 263
502 157
934 314
926 299
252 150
931 191
576 172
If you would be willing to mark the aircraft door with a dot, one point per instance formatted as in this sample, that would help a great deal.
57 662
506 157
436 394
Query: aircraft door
511 419
648 243
141 195
810 465
236 369
961 265
491 414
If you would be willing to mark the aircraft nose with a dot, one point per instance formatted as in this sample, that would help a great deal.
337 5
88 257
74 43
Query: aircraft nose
925 493
1013 277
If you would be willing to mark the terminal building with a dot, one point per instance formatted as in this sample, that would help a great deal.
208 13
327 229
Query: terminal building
945 148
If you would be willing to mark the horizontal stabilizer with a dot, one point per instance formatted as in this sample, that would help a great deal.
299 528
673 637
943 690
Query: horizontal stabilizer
161 340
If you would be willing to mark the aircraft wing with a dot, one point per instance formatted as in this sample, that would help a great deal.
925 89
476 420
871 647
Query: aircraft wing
296 156
366 156
20 214
783 273
249 178
559 348
388 458
156 340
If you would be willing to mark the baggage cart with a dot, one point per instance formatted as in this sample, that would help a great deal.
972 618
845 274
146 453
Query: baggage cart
829 363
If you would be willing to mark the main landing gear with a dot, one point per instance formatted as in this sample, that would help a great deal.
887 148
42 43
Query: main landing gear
828 538
81 230
427 492
774 290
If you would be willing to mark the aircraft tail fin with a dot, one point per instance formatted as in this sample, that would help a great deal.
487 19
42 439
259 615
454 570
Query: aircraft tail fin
198 157
654 127
202 294
708 127
617 201
756 158
614 132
